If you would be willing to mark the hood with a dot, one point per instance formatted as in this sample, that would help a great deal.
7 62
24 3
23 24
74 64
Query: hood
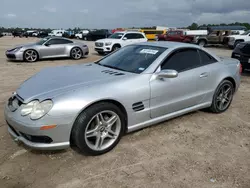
56 80
108 40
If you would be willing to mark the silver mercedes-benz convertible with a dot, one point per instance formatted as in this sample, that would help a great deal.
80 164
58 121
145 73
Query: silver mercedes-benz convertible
48 47
92 105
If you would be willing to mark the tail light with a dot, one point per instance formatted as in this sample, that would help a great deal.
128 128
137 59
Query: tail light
240 69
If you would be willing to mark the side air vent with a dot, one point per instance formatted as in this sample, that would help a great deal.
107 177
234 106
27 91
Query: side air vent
138 106
112 73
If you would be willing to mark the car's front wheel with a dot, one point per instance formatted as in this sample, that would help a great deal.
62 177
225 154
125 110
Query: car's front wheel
223 97
30 56
98 129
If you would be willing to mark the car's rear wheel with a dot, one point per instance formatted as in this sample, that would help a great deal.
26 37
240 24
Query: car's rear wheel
30 56
98 129
223 97
76 53
202 43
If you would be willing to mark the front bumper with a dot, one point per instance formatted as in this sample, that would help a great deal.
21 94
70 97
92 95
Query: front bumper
27 131
105 49
14 55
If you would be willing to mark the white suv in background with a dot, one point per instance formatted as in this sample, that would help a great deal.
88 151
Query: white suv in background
118 40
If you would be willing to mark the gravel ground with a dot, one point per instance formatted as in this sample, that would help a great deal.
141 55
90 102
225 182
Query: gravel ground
196 150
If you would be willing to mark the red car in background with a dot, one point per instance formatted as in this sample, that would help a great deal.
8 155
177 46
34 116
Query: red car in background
176 36
118 29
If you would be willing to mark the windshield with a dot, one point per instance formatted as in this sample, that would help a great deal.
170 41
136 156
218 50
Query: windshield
116 36
134 58
43 40
246 33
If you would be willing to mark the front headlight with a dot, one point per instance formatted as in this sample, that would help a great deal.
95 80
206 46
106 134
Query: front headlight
108 43
36 109
27 109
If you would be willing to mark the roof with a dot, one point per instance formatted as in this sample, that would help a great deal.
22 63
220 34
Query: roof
168 44
128 32
56 37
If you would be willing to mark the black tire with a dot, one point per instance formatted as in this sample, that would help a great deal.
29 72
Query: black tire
214 107
116 47
81 123
202 43
76 53
236 42
28 59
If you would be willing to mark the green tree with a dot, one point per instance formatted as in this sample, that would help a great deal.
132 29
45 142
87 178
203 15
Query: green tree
193 26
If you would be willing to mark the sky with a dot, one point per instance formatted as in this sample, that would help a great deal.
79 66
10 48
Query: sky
120 13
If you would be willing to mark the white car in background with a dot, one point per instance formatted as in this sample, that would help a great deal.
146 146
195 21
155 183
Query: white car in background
118 40
233 40
82 34
57 33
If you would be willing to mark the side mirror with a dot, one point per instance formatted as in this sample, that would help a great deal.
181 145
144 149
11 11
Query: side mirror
46 44
167 74
124 38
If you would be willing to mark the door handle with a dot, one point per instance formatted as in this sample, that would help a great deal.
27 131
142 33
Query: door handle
203 75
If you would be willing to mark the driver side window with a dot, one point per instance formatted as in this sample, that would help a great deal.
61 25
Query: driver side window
182 60
51 42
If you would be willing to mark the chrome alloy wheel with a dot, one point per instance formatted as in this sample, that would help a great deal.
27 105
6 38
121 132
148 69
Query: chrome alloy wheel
224 97
30 56
102 130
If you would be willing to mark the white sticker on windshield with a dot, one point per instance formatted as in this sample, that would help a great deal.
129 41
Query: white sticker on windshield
148 51
141 69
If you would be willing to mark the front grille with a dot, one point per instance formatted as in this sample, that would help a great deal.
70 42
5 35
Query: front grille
14 103
37 139
98 44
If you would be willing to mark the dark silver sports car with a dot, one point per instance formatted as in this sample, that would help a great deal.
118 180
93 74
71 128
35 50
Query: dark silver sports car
48 47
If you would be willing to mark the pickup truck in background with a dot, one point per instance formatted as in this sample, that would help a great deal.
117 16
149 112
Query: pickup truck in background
215 37
186 36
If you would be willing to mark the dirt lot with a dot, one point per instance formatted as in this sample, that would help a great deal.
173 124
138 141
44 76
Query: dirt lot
196 150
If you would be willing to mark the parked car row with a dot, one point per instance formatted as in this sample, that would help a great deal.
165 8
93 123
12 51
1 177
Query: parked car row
228 38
